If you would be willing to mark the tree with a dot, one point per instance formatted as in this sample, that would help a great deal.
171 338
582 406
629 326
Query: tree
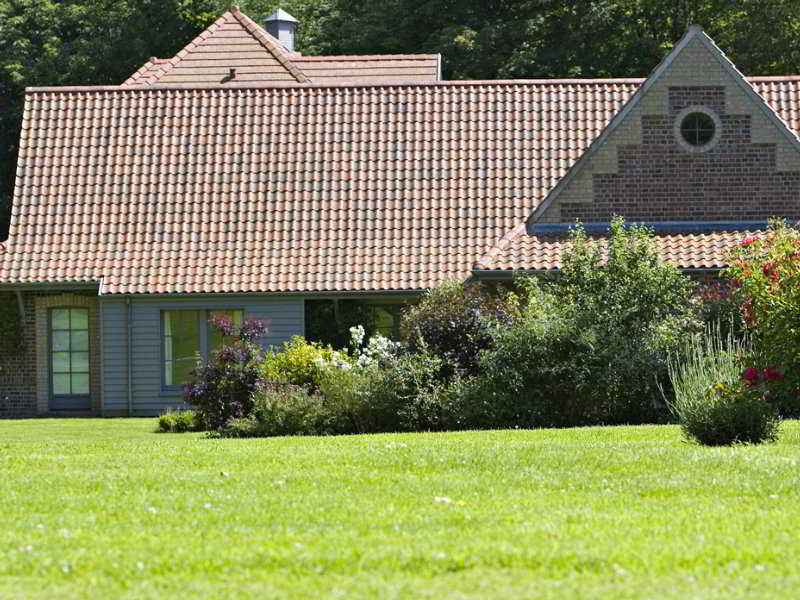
564 38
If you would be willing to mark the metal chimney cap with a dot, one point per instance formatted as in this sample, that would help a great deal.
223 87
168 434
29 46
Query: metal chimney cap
280 15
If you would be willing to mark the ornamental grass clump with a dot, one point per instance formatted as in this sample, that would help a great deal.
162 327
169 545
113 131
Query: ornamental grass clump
716 399
179 421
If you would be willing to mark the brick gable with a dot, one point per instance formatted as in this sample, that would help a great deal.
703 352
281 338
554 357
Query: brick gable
643 170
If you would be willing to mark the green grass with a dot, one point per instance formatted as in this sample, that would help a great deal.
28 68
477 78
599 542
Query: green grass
108 509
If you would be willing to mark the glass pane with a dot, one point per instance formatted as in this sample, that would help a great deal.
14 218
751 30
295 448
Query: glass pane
80 341
180 372
80 384
216 339
185 340
60 318
60 362
61 385
61 340
80 362
79 318
181 344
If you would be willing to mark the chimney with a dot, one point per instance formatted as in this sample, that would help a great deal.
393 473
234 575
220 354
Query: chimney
281 25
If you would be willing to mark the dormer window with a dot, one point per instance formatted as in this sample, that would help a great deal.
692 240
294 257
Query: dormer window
697 128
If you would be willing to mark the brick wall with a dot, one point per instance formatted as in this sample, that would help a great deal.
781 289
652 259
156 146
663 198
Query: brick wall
643 171
661 180
25 375
18 368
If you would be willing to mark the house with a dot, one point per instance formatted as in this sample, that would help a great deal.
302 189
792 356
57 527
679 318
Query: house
242 177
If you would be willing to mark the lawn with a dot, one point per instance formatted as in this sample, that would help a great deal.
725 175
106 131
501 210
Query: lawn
108 509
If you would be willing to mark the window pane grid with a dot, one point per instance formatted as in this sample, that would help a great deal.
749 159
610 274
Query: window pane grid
69 351
187 335
698 129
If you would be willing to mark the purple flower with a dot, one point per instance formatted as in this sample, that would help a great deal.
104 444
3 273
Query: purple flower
253 329
223 323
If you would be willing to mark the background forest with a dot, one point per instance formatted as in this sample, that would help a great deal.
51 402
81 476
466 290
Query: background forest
87 42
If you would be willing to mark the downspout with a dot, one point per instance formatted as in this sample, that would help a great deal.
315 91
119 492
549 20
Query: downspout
21 304
130 356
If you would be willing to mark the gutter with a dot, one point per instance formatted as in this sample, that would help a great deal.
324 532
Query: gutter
504 275
37 285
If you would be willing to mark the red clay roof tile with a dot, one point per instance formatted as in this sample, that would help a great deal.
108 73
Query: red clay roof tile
520 251
300 189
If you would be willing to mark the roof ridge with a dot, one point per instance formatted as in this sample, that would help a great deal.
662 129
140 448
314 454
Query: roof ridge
334 57
170 63
139 73
351 84
269 43
502 244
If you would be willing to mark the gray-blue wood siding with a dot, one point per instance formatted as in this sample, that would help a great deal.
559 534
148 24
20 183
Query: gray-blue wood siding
285 317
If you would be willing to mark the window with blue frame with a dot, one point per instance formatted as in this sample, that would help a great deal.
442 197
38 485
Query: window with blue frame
69 352
187 337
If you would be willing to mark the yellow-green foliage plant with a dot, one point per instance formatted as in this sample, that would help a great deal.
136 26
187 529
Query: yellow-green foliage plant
299 362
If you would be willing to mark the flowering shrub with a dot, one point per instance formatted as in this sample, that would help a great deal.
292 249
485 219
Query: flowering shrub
299 361
222 388
731 413
766 270
376 350
455 322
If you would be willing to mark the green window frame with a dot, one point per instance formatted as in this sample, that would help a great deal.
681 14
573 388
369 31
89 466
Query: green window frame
186 337
69 353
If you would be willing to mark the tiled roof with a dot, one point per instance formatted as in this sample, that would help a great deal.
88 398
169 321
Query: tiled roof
370 70
294 188
540 252
234 47
236 50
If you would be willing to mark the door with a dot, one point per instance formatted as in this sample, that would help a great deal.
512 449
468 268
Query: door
69 359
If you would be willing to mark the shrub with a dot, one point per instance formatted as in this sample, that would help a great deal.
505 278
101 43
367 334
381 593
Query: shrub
620 283
223 387
382 388
592 346
766 270
455 322
179 421
299 361
718 306
716 400
276 412
547 373
404 395
705 360
728 414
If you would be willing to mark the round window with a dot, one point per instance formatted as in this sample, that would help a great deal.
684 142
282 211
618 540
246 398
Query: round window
697 129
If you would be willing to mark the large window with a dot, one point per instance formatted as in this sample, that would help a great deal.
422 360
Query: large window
69 352
188 337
